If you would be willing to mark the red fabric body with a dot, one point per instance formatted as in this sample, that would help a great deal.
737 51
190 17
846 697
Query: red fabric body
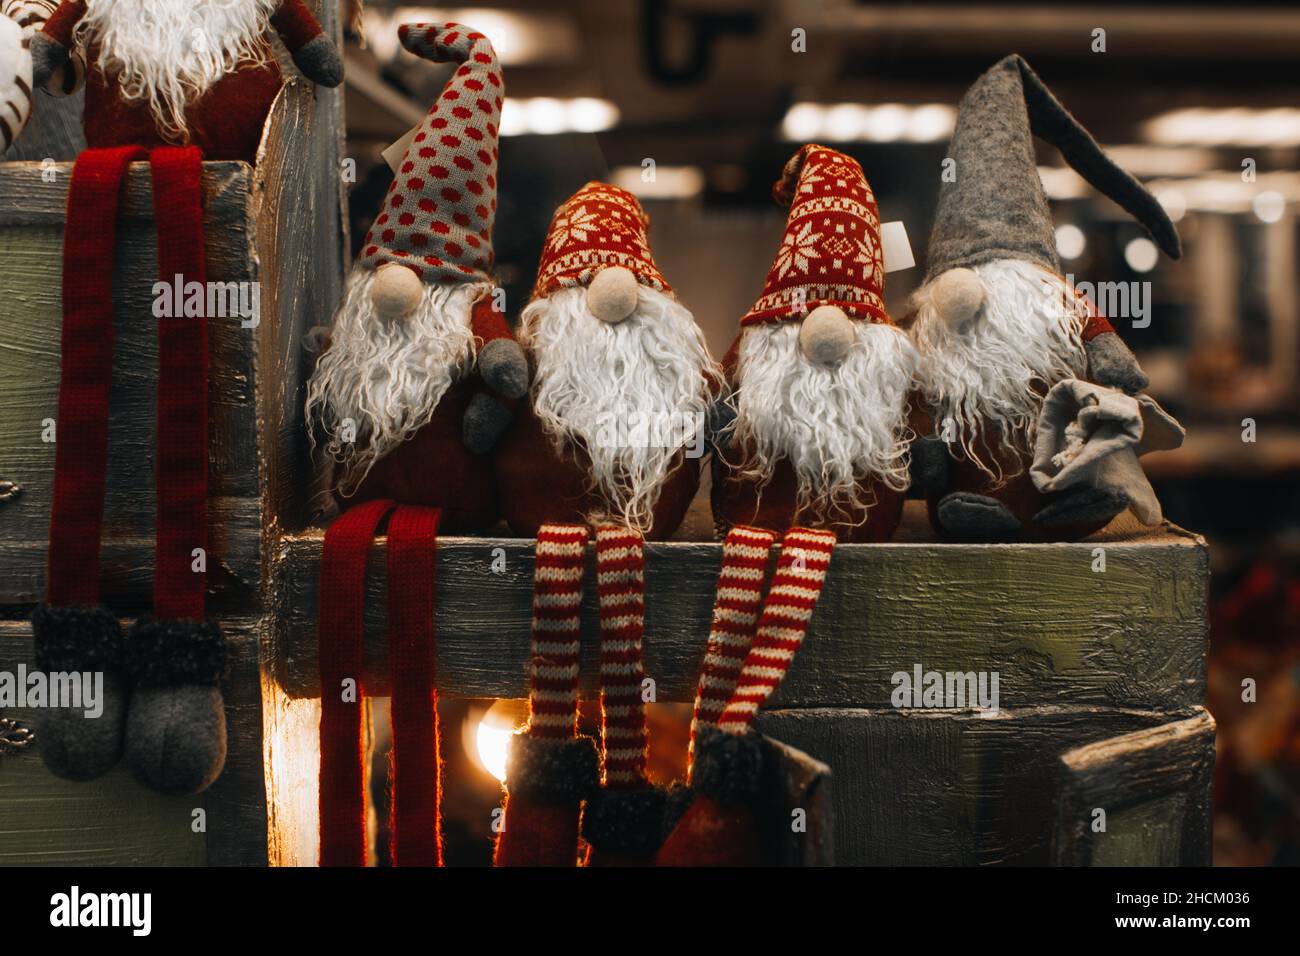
1095 326
182 429
538 834
434 468
63 21
487 323
295 24
81 451
340 631
416 783
713 834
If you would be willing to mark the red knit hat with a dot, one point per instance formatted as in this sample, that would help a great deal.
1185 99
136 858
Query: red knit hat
831 251
598 226
438 216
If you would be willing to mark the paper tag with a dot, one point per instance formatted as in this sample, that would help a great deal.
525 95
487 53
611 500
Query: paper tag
394 153
894 247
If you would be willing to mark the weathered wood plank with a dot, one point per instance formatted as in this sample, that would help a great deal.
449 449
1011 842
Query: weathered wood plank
31 238
945 788
1056 632
1155 789
234 561
117 821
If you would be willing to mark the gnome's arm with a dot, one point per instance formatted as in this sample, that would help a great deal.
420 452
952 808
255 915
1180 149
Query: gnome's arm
504 370
52 45
931 465
1110 361
313 52
722 412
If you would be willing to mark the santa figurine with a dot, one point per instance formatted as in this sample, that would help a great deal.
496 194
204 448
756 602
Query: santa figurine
199 73
611 441
173 83
415 384
997 325
819 374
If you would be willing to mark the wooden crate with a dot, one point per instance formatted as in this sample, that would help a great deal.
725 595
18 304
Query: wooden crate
1084 657
280 223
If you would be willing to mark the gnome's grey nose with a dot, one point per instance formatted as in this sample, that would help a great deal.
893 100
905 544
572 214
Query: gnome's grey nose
957 296
826 335
611 297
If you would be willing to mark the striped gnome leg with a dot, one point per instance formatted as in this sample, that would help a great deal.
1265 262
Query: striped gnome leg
720 827
623 821
549 768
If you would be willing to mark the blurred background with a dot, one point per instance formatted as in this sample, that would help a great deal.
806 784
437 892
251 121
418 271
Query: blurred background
695 105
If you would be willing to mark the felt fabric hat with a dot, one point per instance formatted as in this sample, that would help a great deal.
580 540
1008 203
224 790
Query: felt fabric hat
438 216
830 254
995 207
598 226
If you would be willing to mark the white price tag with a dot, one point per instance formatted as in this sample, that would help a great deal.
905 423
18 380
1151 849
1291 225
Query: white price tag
894 247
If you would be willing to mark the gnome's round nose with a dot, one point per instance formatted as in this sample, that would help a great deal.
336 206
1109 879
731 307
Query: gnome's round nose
395 291
612 295
826 335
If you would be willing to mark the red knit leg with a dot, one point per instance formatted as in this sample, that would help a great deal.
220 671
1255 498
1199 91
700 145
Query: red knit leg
339 636
735 616
557 616
182 439
412 562
81 452
620 584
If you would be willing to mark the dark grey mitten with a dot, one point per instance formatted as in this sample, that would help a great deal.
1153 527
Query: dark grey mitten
1113 364
84 640
47 56
973 517
1082 506
718 427
176 724
504 368
320 62
484 421
931 464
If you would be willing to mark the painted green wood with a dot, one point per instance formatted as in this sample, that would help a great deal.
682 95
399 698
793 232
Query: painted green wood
950 788
1058 633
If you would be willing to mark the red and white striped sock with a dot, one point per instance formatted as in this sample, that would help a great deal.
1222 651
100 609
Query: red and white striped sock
557 615
796 587
620 584
735 617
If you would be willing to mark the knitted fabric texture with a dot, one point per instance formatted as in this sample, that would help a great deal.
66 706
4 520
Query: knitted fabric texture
620 583
736 607
556 650
995 207
598 226
830 253
791 598
438 216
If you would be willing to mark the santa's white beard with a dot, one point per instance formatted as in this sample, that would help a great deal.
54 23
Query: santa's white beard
380 380
838 426
594 379
168 54
984 383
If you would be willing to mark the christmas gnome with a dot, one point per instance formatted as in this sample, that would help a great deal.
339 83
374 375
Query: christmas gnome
19 21
199 73
411 393
819 375
163 80
622 383
997 325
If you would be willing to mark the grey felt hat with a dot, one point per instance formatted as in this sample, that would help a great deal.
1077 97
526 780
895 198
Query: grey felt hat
996 208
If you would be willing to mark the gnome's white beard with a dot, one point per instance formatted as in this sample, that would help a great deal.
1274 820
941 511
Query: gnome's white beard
985 382
595 381
168 54
380 380
838 426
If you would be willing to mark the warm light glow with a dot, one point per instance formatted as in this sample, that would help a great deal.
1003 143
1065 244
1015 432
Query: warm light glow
546 115
1236 126
857 122
492 733
659 182
1070 241
1141 255
1269 206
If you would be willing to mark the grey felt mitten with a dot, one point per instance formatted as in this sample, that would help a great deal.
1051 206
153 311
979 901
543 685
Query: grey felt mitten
47 56
84 640
176 724
485 420
504 368
320 62
931 466
1113 364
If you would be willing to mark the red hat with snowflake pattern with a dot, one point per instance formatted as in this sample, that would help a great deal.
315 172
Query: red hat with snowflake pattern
598 226
438 215
830 254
